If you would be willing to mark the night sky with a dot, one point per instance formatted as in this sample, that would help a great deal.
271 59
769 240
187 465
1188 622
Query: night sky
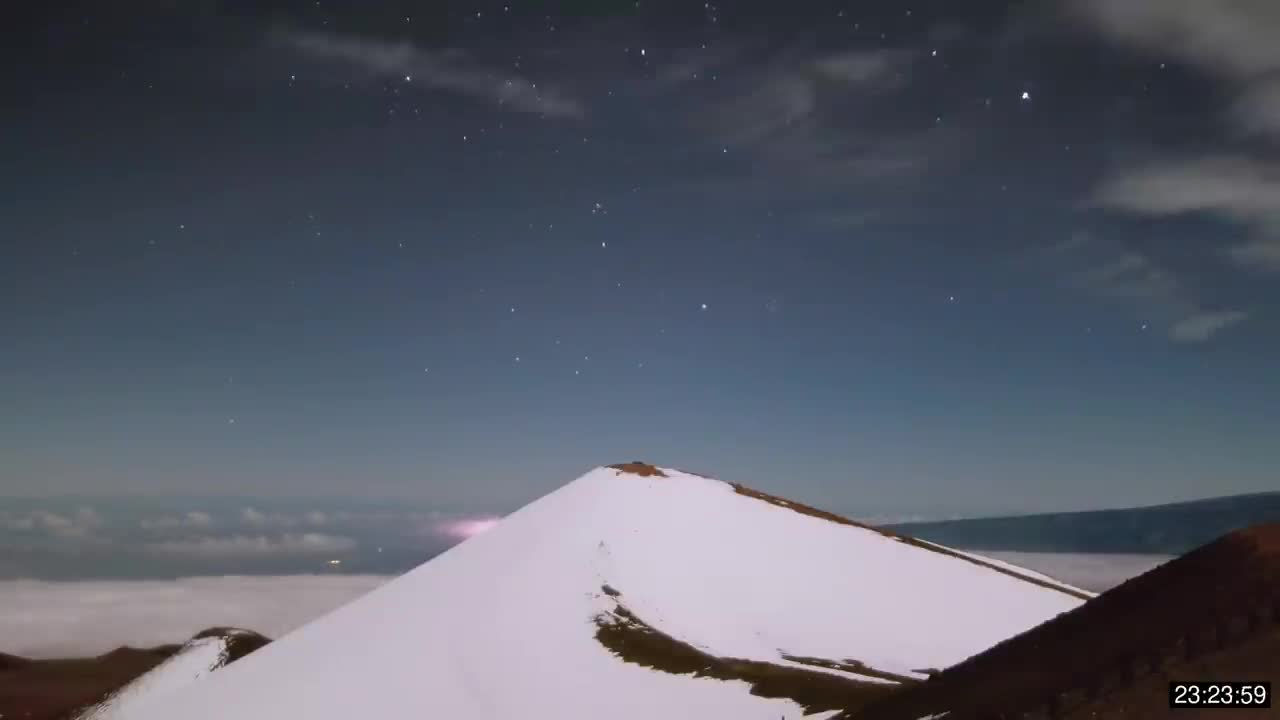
979 255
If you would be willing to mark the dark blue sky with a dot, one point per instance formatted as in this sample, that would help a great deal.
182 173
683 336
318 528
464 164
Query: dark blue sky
991 257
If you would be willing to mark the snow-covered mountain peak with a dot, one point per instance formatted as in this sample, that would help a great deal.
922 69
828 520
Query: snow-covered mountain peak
637 591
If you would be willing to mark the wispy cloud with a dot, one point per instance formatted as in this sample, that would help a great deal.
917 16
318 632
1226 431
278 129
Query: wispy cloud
866 69
806 119
1125 275
1239 189
1236 43
74 619
793 95
449 71
236 545
1201 326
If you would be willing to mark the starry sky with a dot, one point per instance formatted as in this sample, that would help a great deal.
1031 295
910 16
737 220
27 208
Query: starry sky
975 256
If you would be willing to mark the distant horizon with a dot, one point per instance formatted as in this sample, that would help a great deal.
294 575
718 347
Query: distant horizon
422 502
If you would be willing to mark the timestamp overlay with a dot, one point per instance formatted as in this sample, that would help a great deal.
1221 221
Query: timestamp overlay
1220 694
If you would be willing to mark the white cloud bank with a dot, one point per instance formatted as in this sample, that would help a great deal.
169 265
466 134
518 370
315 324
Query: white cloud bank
73 619
1089 571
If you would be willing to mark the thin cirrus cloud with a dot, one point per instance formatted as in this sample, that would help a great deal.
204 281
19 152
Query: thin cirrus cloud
808 117
1235 43
1201 326
448 71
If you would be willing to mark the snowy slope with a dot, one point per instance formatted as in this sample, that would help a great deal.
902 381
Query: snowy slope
196 658
504 625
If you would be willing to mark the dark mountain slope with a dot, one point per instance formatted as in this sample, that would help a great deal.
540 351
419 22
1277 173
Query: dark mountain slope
1212 613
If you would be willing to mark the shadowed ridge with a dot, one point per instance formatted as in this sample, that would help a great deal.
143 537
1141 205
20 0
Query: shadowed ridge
1208 609
239 642
12 662
125 652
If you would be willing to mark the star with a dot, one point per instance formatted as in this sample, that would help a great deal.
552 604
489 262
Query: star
704 306
1026 95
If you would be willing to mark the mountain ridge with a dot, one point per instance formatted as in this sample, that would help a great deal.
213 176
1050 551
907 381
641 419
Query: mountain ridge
569 588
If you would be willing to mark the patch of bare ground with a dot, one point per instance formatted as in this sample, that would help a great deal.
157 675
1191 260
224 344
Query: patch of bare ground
638 468
1213 613
840 519
633 640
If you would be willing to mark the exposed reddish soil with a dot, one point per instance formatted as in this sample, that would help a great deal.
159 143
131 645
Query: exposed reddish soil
638 468
1212 614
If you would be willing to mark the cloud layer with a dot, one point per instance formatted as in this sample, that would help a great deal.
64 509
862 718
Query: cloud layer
51 619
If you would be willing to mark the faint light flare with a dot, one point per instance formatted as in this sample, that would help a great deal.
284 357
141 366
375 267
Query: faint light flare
468 528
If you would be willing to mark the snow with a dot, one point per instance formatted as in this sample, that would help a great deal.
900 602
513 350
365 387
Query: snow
503 624
194 660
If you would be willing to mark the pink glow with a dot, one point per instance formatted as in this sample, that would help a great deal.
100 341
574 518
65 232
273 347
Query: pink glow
463 529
